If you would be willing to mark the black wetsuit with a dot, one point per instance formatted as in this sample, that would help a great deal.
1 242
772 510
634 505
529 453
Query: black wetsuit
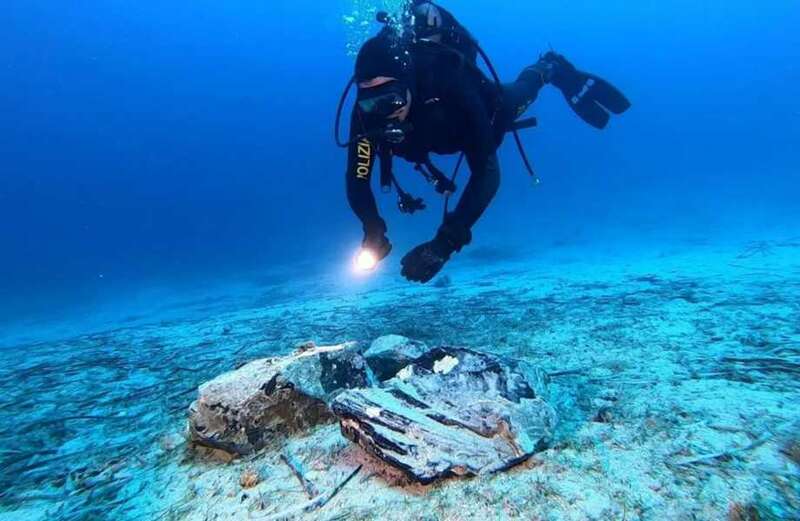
455 108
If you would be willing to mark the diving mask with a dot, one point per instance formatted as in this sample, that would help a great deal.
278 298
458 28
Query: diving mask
382 101
376 105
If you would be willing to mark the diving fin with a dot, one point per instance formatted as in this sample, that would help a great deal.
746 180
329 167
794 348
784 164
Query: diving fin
608 96
592 98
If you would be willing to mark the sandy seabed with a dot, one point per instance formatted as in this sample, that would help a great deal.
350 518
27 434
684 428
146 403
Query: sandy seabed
676 376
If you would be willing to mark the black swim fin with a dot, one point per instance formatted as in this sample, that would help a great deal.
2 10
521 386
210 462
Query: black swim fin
592 98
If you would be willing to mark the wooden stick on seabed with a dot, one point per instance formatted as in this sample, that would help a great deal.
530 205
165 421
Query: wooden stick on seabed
716 457
315 504
311 490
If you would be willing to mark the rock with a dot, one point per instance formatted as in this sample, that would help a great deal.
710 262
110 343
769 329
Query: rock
604 415
389 354
241 411
451 412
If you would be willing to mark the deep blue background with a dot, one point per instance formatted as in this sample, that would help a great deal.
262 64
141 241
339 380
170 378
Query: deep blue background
175 143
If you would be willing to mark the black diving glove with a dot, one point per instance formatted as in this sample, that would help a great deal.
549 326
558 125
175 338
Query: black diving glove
592 98
426 260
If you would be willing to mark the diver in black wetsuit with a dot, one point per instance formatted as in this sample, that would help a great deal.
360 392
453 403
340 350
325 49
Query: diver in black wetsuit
425 94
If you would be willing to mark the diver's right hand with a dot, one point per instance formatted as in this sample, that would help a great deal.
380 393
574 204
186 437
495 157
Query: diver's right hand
378 244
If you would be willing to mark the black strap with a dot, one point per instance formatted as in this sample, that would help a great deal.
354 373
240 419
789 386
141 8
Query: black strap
525 159
452 180
441 183
406 202
339 110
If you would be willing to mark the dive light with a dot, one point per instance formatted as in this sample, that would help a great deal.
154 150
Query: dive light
366 260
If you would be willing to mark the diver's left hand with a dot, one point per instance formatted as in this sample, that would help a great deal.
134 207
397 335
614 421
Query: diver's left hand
426 260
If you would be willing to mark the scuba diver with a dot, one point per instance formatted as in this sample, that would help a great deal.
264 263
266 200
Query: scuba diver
420 91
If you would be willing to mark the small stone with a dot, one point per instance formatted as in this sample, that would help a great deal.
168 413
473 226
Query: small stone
249 479
604 415
306 346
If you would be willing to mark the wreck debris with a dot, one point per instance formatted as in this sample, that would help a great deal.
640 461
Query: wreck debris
314 504
460 413
242 411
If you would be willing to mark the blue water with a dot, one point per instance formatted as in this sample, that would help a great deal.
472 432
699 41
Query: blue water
166 151
159 143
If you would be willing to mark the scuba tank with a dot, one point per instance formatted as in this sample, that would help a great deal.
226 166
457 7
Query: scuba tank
434 23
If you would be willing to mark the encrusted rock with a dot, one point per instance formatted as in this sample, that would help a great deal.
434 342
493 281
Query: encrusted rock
389 354
451 412
241 411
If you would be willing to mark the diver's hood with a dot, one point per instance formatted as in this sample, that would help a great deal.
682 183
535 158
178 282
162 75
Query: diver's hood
384 55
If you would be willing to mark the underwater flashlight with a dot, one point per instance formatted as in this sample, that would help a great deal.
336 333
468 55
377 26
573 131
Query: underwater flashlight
366 260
